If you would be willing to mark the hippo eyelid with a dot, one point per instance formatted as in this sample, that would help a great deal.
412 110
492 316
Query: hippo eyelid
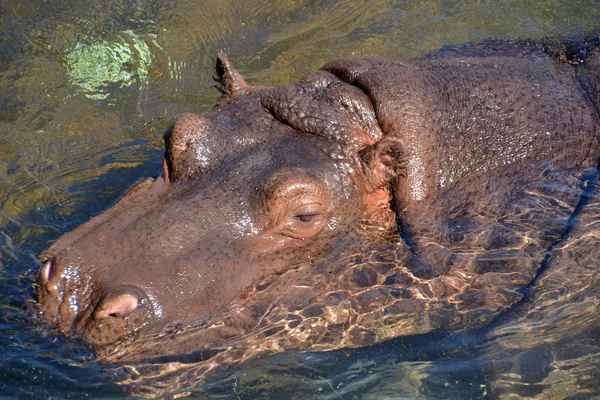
307 212
305 217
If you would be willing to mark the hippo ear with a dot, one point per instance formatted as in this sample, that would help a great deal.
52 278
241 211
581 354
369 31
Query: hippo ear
384 161
228 79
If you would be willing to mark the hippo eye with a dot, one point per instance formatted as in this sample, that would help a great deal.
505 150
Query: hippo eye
295 205
305 217
307 220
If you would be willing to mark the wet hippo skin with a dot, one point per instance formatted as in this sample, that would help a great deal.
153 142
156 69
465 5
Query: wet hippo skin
373 199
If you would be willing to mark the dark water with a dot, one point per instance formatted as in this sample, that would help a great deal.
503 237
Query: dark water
86 88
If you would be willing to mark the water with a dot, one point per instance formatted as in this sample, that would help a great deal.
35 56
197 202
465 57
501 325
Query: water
86 88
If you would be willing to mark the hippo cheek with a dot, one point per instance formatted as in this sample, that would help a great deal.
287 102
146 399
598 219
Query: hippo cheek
199 285
203 282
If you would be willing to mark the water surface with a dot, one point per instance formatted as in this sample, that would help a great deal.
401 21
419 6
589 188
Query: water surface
86 88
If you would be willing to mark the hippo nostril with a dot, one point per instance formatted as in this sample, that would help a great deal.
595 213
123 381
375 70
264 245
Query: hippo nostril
48 270
118 305
48 276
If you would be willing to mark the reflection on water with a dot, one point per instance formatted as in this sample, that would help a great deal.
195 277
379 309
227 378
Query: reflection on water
550 346
85 90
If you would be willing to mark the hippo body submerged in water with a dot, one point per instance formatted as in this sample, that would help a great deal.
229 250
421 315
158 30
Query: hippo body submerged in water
373 199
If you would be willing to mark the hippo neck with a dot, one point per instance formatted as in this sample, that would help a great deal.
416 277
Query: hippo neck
447 122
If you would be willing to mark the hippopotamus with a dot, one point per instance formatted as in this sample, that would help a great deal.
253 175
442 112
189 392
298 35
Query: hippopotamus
370 200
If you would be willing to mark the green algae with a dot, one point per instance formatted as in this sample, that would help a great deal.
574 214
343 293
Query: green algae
94 65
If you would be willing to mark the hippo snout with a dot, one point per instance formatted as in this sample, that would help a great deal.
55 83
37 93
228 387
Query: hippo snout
71 300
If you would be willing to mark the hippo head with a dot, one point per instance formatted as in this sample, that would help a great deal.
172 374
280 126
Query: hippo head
269 179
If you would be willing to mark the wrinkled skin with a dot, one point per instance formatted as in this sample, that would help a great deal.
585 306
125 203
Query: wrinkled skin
274 221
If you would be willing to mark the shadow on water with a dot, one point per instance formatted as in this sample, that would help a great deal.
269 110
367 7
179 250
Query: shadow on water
435 365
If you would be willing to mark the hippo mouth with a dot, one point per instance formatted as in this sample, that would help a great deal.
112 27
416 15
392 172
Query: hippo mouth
183 358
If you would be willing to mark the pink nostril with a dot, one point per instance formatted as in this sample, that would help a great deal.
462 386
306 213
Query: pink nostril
119 306
48 271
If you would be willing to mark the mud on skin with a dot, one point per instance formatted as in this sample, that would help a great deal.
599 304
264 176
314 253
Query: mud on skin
274 223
